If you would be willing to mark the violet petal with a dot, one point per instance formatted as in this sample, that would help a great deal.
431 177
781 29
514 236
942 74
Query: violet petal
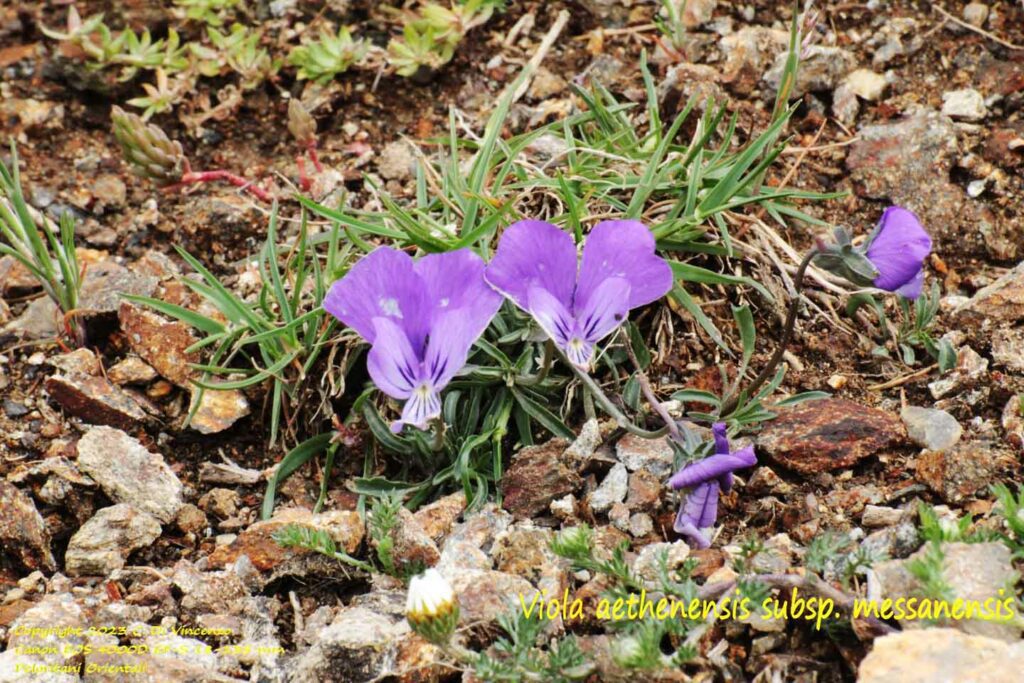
685 527
898 249
701 504
622 249
552 316
392 363
382 284
604 311
534 254
453 281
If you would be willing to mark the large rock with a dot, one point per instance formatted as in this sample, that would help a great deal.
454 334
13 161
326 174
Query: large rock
268 556
654 455
413 549
360 645
933 429
129 473
95 400
104 283
160 343
748 52
612 490
438 518
537 476
486 595
217 410
973 571
908 162
830 434
941 655
822 68
103 543
23 534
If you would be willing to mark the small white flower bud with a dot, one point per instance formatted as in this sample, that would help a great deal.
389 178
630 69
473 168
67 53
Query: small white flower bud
431 607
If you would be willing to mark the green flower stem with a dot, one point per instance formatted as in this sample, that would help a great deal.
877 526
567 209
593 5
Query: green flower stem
648 392
542 373
787 332
606 404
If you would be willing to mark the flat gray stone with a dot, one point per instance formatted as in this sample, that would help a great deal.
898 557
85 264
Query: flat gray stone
929 428
129 473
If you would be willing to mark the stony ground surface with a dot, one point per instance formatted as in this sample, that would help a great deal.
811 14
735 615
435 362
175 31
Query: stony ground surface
111 514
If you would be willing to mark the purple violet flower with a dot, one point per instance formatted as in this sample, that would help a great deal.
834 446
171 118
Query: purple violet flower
704 478
897 250
421 319
536 267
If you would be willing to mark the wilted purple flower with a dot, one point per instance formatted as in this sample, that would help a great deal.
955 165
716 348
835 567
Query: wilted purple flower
421 319
897 250
704 479
536 267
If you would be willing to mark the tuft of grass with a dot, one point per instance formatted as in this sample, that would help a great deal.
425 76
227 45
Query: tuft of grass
50 258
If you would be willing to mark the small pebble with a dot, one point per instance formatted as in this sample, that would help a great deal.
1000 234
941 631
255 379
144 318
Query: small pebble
975 14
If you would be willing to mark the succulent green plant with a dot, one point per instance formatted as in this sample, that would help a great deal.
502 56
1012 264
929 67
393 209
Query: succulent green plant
418 50
323 59
240 50
161 95
130 51
148 150
210 12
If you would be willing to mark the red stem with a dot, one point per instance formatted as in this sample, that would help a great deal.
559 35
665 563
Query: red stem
311 148
304 182
193 177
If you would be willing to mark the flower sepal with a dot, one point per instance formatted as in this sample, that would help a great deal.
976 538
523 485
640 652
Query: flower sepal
848 262
431 607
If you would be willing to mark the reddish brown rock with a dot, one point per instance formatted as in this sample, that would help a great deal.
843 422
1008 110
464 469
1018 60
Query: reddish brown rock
969 468
82 361
908 162
831 434
160 343
94 399
644 491
438 517
266 554
15 277
131 370
23 535
1013 421
537 476
104 283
